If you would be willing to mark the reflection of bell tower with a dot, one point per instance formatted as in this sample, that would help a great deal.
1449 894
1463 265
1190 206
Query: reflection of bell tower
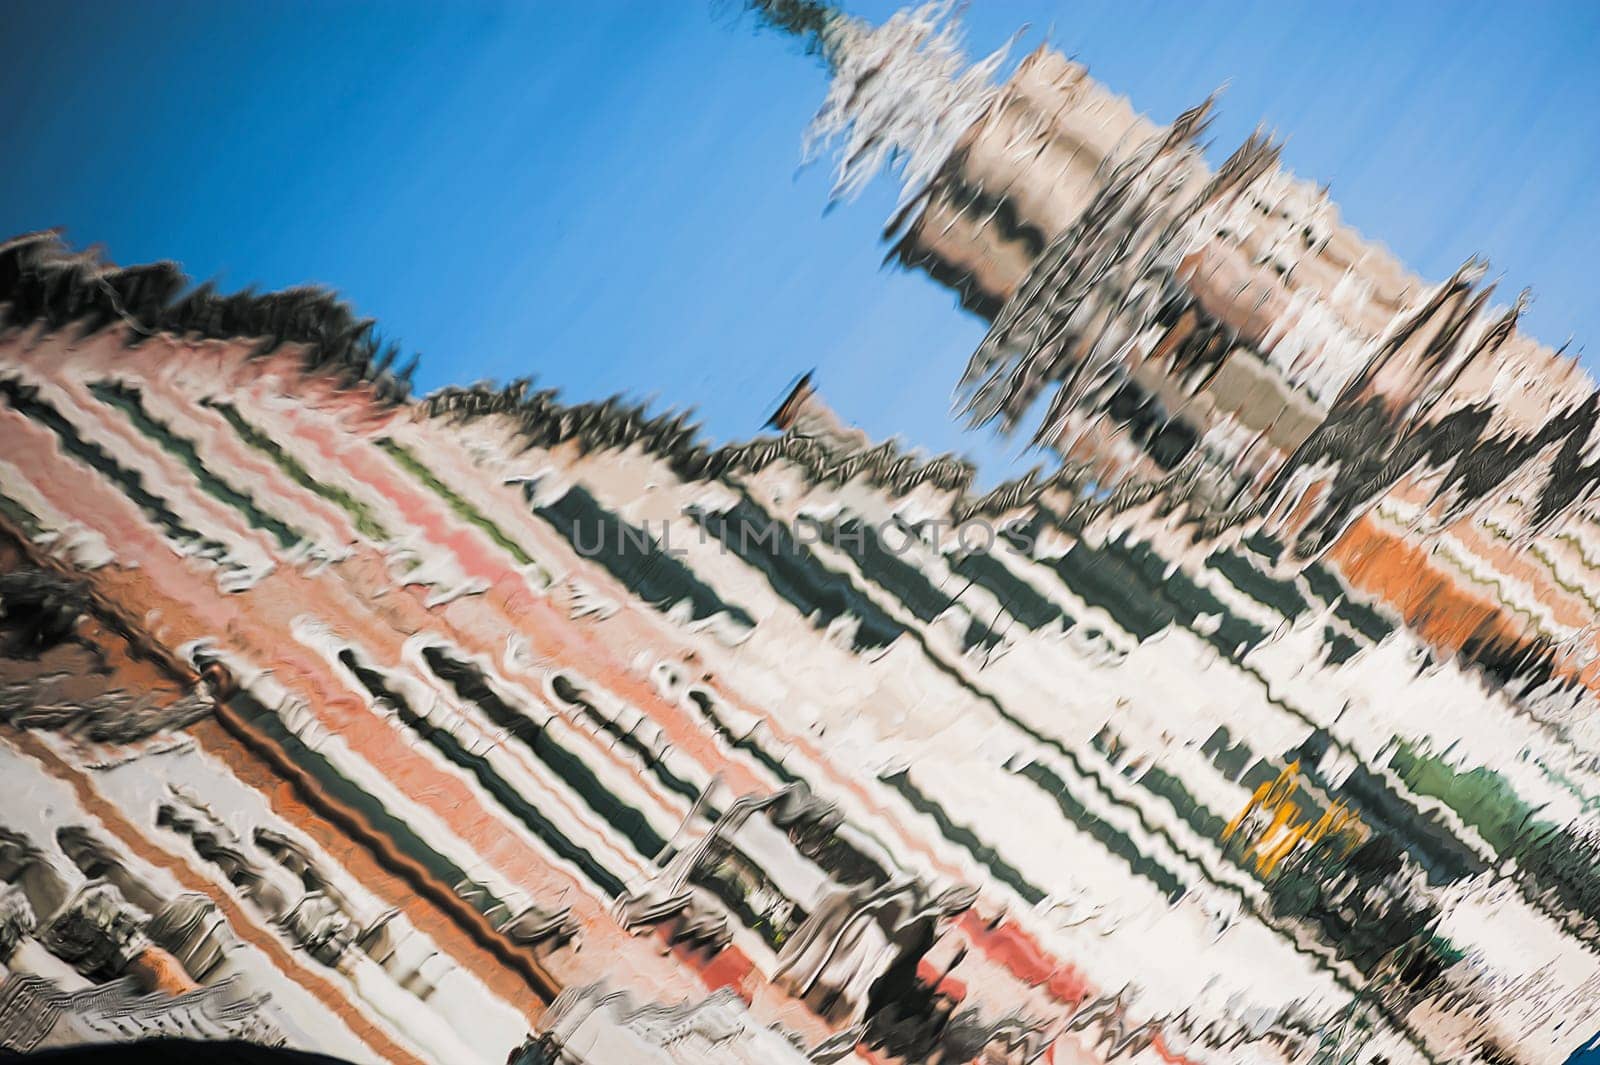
804 413
1423 356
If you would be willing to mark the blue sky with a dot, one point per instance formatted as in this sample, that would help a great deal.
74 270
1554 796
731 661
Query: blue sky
606 195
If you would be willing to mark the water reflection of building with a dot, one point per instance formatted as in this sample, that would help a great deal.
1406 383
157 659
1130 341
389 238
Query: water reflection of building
320 725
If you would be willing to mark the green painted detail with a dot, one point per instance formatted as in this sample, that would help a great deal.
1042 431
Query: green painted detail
459 506
130 402
26 401
1481 797
360 514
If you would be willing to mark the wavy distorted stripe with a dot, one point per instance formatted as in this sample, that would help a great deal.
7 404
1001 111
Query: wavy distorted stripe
1255 725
